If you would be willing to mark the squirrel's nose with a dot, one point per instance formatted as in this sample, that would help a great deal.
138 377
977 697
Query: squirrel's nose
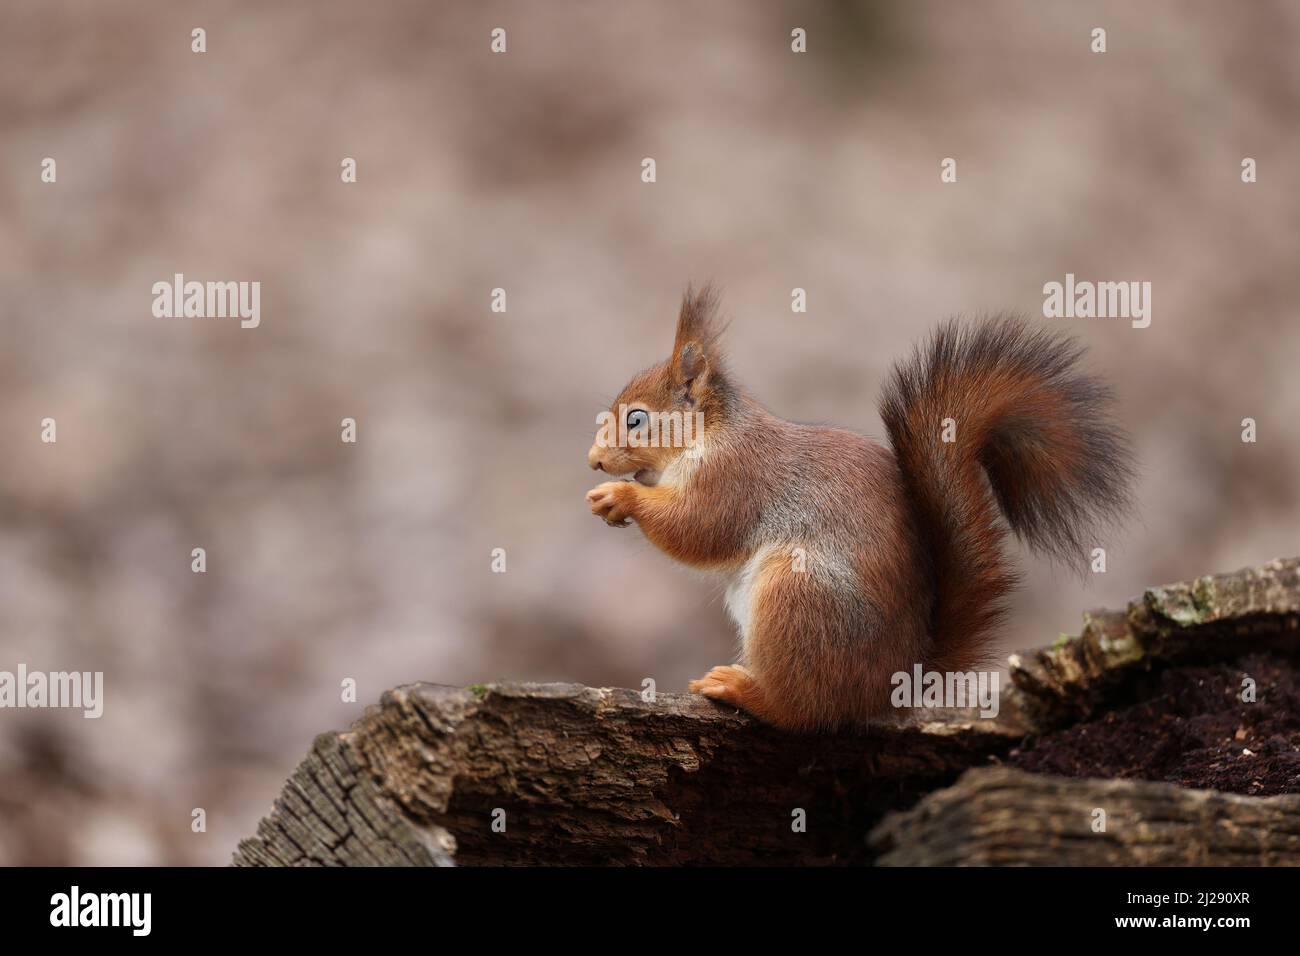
593 458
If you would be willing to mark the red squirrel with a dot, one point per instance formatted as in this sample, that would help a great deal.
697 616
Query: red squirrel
847 561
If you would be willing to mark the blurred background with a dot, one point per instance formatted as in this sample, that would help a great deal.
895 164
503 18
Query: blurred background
776 170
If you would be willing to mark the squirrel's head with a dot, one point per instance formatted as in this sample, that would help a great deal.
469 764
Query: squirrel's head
663 413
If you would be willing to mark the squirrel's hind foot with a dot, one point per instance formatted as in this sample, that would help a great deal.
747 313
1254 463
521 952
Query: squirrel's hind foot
730 684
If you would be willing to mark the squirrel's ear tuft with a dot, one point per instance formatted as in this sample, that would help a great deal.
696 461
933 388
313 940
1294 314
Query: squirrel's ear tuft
696 345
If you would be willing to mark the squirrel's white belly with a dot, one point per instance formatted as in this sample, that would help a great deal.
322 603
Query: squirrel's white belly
741 585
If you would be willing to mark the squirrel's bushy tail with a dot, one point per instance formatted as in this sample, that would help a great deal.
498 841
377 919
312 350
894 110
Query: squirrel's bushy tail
1031 436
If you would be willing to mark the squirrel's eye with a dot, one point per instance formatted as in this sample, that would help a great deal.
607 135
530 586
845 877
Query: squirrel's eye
636 418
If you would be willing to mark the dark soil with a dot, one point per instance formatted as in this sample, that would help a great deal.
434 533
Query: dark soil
1189 726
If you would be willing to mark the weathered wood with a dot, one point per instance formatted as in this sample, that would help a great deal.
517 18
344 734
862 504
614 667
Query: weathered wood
586 776
1000 816
330 813
1213 618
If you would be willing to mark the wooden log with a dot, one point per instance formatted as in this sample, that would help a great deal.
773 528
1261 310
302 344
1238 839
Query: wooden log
579 775
1005 817
565 774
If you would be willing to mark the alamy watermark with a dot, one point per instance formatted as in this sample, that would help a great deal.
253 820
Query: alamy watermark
922 688
208 300
130 910
1098 300
635 427
77 690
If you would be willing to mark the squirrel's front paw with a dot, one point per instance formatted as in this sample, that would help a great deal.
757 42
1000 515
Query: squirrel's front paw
612 501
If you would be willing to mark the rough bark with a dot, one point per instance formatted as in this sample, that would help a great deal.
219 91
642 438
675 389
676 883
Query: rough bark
597 776
1001 816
